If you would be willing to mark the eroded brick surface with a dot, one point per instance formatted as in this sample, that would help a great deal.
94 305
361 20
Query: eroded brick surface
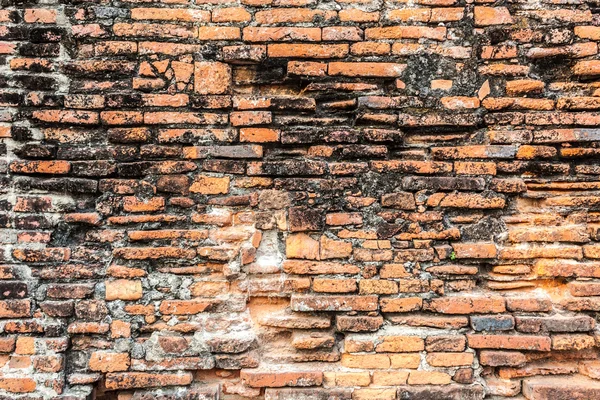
299 199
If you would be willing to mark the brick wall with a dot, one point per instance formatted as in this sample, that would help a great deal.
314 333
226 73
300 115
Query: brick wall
299 199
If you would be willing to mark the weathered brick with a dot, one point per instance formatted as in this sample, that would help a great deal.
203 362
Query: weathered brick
281 379
123 289
508 342
370 361
485 16
405 32
428 378
211 77
208 186
132 380
307 50
346 323
546 388
400 344
366 69
466 305
449 359
109 362
333 303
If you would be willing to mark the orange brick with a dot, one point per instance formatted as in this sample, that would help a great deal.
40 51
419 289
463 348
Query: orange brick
121 117
460 102
132 380
292 15
334 285
405 32
400 344
485 16
356 15
308 50
499 52
153 30
466 305
259 135
17 385
308 68
370 48
390 378
428 378
120 329
366 69
230 14
281 34
510 342
40 167
401 304
366 361
338 219
449 359
587 68
347 378
281 378
241 118
184 307
368 286
331 248
219 33
205 184
405 361
133 204
123 289
170 14
211 77
109 362
39 16
588 32
25 345
474 250
474 168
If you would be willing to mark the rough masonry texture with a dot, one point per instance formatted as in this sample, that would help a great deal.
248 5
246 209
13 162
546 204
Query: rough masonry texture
299 199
